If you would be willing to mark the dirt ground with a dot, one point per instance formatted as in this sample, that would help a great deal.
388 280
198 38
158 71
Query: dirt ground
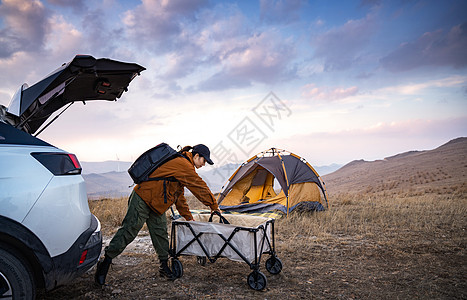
338 267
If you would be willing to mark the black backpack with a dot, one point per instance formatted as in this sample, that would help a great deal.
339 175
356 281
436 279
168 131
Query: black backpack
149 161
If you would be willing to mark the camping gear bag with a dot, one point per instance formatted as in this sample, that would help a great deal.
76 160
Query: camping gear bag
242 238
149 161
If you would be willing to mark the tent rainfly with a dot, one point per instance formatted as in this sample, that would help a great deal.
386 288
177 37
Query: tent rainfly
251 187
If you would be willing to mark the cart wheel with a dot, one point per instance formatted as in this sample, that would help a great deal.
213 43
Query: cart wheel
257 280
201 260
274 265
177 268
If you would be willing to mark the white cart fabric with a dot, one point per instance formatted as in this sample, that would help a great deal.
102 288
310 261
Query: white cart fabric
243 240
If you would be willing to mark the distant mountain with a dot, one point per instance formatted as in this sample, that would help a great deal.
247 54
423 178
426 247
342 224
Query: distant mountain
117 184
103 180
109 185
105 166
441 170
217 177
323 170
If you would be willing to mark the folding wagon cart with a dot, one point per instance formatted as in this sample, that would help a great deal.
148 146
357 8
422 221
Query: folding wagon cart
241 238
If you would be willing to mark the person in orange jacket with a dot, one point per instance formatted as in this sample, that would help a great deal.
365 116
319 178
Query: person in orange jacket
150 200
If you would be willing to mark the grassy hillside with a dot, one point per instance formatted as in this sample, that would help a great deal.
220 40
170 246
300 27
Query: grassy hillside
440 171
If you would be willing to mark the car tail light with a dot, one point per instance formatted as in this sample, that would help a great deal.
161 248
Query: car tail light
83 256
59 163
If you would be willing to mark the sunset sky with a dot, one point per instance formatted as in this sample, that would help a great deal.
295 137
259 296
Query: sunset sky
332 81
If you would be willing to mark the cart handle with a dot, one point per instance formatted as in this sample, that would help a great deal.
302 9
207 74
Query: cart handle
221 217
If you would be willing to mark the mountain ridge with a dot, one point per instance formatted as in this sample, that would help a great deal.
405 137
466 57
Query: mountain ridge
438 170
104 180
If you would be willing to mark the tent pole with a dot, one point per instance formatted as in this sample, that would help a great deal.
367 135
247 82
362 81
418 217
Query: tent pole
230 179
286 180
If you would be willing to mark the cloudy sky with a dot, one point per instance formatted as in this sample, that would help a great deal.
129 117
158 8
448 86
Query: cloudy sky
332 81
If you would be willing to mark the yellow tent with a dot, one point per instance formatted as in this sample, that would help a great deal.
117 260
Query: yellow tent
251 188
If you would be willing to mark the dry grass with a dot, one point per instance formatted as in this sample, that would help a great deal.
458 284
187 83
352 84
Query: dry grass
110 212
393 221
383 219
366 246
350 214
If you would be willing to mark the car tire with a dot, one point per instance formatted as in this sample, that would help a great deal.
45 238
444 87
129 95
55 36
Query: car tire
16 278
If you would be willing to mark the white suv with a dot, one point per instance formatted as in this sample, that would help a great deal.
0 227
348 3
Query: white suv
48 236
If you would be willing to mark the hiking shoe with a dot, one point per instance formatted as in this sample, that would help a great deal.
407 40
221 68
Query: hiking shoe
164 271
102 270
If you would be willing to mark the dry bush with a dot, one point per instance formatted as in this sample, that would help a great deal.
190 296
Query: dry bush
110 212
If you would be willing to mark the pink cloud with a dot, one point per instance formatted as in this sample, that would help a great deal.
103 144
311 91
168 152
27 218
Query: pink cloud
327 93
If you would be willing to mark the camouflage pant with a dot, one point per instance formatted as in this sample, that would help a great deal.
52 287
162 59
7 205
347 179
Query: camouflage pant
137 214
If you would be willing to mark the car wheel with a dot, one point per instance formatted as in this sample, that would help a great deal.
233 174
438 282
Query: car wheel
16 278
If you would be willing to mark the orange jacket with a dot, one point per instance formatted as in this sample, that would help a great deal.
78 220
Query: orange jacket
152 192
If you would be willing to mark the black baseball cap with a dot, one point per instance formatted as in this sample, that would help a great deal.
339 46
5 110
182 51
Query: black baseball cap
203 150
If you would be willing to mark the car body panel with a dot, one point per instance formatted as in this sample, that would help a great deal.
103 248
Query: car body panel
22 179
69 262
62 207
60 269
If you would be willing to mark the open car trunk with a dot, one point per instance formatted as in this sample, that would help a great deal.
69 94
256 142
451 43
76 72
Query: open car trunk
84 78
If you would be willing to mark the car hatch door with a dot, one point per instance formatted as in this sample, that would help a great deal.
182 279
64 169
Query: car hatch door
85 78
